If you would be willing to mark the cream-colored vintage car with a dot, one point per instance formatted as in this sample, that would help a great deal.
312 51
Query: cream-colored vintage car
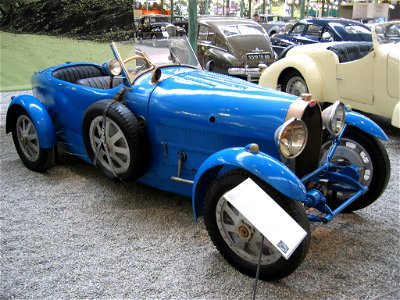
364 75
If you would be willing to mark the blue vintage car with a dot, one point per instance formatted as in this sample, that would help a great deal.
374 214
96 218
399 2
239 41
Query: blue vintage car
153 115
319 30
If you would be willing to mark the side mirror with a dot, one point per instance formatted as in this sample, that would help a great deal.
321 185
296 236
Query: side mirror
210 66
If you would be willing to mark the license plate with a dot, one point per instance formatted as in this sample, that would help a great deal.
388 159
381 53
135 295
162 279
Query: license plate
258 56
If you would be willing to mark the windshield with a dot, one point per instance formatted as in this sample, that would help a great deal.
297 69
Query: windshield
160 19
138 58
244 30
388 32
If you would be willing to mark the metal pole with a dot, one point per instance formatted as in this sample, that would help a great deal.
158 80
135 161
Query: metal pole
249 16
263 7
172 9
192 10
302 5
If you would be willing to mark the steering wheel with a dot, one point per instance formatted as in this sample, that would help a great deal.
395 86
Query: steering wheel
130 58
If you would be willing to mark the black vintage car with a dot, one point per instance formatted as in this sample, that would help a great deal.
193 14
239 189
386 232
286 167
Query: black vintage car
318 30
234 46
158 26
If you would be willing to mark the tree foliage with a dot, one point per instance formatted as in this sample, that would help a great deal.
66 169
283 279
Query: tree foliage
88 19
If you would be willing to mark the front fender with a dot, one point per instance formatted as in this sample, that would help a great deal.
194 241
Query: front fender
260 164
39 115
365 124
304 64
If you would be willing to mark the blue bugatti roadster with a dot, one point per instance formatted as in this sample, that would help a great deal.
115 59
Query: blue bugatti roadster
153 115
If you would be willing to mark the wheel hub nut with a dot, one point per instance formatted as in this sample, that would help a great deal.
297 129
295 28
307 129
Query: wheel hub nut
244 231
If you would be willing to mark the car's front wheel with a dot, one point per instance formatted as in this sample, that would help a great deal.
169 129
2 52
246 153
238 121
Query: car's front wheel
239 241
26 141
293 83
369 155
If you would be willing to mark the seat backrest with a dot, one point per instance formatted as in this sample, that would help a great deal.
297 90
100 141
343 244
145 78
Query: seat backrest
347 52
74 73
102 82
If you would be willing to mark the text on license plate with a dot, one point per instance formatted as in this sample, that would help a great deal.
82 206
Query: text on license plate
258 56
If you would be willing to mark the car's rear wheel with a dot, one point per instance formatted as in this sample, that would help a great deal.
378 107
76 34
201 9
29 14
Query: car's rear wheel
293 83
26 141
370 156
239 241
114 140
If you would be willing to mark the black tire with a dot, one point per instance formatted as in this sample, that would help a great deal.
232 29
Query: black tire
128 153
27 143
273 265
293 83
368 152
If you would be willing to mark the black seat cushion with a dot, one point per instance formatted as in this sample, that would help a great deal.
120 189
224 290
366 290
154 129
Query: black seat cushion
74 73
347 52
102 82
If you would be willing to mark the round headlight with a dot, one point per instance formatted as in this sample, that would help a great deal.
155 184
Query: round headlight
291 138
112 67
333 118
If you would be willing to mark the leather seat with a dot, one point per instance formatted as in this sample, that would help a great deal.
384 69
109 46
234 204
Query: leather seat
102 82
347 52
74 73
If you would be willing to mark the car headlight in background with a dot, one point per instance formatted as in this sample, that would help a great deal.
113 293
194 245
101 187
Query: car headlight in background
291 138
333 118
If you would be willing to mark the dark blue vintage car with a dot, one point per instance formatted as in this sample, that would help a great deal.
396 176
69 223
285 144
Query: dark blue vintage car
153 115
317 30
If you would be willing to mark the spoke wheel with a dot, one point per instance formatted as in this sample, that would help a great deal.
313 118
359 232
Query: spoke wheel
115 141
240 235
27 138
26 141
116 158
370 156
239 241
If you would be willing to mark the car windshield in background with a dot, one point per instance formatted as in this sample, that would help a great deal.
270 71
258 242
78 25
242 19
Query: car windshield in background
160 19
172 51
388 33
353 32
233 30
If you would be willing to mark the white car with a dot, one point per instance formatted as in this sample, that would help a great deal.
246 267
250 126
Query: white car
364 75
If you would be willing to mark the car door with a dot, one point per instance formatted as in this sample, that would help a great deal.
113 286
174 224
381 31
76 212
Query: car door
355 80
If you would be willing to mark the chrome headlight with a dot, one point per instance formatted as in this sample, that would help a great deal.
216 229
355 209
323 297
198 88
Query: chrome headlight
162 28
333 118
291 138
112 67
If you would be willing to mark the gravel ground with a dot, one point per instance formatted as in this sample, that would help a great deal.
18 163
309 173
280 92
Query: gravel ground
72 233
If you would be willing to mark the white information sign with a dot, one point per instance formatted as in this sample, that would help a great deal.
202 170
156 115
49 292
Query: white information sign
267 216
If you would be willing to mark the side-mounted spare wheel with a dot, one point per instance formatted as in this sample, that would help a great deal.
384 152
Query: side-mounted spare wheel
115 140
26 141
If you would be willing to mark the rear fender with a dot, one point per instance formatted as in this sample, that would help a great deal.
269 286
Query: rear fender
260 164
365 124
39 115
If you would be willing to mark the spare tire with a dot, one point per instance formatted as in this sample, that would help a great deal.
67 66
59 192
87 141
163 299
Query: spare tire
115 140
